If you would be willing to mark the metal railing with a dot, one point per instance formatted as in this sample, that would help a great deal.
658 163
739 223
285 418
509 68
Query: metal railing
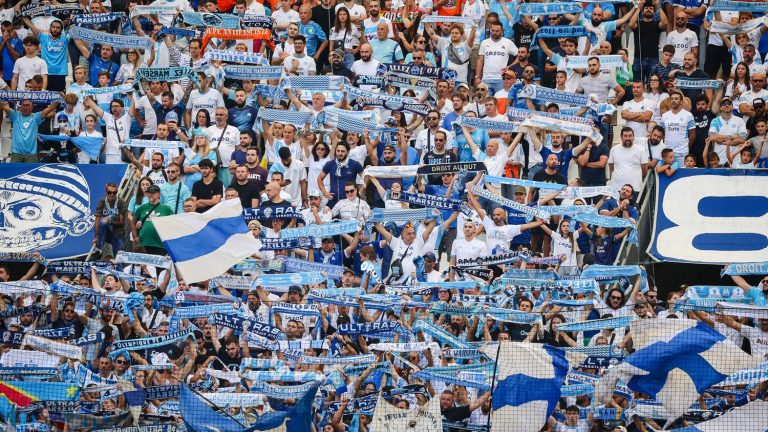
635 254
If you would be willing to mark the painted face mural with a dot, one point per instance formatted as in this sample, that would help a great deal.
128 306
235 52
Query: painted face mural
40 208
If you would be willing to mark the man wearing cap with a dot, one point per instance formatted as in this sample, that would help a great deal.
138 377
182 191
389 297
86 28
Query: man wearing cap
165 109
388 159
756 91
110 220
425 140
143 229
431 265
726 130
316 213
327 254
337 65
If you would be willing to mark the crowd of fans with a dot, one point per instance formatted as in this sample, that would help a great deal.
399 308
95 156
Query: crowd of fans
316 173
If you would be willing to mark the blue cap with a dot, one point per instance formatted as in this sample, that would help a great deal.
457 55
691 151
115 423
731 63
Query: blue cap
172 117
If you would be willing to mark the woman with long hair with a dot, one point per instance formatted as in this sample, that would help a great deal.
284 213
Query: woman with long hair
202 150
317 156
141 195
655 92
89 130
128 69
739 82
344 35
202 121
563 244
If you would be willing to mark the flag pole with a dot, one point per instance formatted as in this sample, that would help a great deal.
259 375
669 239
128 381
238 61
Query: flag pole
493 385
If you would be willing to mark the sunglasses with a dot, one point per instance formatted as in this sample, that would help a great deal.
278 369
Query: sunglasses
350 191
111 192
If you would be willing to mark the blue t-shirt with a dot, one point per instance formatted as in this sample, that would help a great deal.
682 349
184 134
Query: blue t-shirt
605 249
610 204
563 159
340 176
440 190
479 136
333 258
758 298
24 133
314 34
96 64
8 61
54 52
243 118
517 218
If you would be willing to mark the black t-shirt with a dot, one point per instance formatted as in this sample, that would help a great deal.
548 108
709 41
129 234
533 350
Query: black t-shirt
702 122
246 192
543 176
431 158
647 39
523 35
456 414
518 332
200 190
692 93
269 203
595 176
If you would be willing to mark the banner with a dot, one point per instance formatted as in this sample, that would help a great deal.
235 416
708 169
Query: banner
711 216
419 71
60 199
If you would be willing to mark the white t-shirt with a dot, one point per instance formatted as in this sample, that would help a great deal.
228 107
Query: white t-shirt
405 253
28 67
351 38
149 115
758 340
676 127
306 64
494 164
499 235
295 173
226 143
683 43
733 126
460 52
495 55
281 17
627 165
112 149
209 101
369 27
369 68
640 128
356 10
425 140
463 249
167 19
564 246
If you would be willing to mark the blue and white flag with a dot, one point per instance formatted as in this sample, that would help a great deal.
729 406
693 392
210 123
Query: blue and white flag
205 245
527 385
674 362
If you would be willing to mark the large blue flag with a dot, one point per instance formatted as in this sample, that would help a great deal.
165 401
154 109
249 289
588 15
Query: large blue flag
528 382
752 417
200 417
674 362
49 208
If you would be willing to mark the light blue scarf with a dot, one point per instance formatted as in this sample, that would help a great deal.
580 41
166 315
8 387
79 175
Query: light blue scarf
237 72
320 231
33 96
740 269
97 37
598 324
295 265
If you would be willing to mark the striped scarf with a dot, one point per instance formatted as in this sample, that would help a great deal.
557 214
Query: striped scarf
252 72
97 37
598 324
489 125
320 231
510 204
567 127
519 114
234 56
695 83
33 96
